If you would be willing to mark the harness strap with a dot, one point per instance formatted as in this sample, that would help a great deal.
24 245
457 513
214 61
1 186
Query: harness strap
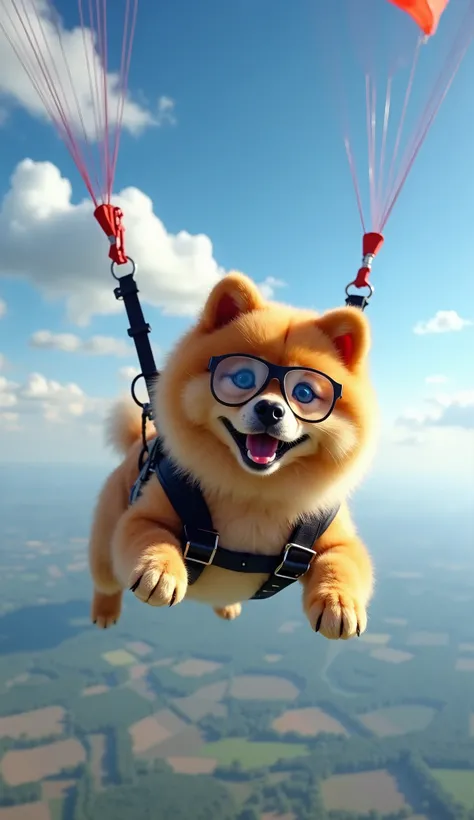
139 329
298 554
201 546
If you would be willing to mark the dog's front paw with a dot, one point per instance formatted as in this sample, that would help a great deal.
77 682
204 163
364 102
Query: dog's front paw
160 579
338 613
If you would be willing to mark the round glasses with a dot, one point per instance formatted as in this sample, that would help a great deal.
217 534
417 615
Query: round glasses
237 378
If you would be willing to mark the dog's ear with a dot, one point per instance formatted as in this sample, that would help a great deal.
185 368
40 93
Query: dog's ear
348 330
233 296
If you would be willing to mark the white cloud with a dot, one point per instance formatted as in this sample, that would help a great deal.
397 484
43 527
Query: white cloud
437 378
44 420
58 246
128 373
426 464
8 390
3 308
70 343
269 286
48 400
454 410
444 321
77 81
9 422
408 440
166 111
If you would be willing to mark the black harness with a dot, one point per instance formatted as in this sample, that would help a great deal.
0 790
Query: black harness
200 541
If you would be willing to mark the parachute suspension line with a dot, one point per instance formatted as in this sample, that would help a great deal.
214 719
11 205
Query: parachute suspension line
383 149
371 115
377 159
36 35
126 58
355 180
439 92
383 193
34 63
99 86
401 124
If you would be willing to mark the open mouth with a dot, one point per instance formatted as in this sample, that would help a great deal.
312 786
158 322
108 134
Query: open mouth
260 450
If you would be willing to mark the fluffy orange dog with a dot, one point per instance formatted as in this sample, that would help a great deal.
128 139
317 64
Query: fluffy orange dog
265 451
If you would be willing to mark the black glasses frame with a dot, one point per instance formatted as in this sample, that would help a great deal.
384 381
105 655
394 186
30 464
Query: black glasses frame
278 372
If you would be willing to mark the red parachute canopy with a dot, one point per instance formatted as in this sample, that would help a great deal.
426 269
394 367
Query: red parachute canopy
426 13
68 68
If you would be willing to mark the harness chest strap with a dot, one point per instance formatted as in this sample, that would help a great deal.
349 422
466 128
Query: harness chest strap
201 546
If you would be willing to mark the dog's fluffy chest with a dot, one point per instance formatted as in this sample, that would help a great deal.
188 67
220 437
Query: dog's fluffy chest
245 529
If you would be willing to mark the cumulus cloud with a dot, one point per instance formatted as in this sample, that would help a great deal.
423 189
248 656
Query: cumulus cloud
57 245
444 321
166 111
437 378
3 308
44 420
70 343
270 285
46 399
9 421
7 393
128 373
446 410
77 80
409 440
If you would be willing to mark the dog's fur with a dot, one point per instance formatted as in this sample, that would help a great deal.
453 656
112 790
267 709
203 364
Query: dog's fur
252 512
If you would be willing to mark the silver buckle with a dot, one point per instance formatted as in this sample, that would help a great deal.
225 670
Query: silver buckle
214 550
288 547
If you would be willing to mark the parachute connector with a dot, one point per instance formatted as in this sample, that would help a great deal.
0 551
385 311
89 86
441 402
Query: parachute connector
110 219
371 244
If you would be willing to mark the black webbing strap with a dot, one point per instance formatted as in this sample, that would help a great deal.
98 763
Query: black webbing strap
354 300
298 554
150 467
139 329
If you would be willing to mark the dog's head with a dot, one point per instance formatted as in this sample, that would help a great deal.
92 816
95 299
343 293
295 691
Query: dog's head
264 398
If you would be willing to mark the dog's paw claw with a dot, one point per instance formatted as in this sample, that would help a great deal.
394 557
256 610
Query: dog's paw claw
160 581
105 609
338 616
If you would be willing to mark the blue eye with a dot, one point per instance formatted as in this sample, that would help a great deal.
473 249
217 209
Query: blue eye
244 379
303 393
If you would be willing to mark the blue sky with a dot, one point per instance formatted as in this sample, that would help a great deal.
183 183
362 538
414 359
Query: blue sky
255 161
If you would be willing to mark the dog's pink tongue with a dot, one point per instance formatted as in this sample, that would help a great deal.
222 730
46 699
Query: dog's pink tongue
261 448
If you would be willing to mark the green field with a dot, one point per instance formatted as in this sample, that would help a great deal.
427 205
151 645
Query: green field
398 720
251 755
119 657
459 783
56 808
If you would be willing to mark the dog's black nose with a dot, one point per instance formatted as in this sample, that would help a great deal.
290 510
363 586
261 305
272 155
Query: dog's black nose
269 412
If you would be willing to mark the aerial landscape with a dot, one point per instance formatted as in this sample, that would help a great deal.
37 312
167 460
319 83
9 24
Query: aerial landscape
176 713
